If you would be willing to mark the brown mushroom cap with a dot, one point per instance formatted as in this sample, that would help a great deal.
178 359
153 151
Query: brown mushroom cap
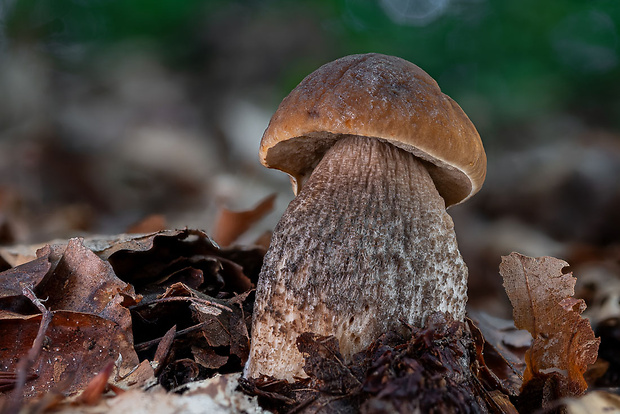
383 97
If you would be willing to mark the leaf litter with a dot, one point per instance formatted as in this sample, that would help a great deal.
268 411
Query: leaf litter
121 309
101 321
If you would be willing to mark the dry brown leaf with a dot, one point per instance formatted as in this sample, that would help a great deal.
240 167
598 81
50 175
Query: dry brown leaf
208 358
149 224
102 245
163 349
93 393
541 296
28 274
82 282
77 347
502 334
105 247
230 225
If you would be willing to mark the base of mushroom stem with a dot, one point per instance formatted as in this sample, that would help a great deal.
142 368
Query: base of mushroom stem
427 370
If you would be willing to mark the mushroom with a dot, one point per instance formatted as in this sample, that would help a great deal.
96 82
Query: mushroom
375 152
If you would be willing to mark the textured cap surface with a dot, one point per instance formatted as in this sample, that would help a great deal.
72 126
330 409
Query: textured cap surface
378 96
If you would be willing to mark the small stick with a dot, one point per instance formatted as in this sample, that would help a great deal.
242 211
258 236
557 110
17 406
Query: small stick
179 298
146 345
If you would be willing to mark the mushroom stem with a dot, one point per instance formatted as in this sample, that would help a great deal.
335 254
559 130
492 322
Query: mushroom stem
367 229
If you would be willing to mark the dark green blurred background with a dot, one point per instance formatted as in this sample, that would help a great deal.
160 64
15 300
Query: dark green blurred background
112 110
506 62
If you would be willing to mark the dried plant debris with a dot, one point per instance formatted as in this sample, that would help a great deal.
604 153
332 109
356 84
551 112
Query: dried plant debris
431 373
500 348
162 247
217 395
170 304
191 284
563 342
190 256
428 372
129 317
212 333
490 376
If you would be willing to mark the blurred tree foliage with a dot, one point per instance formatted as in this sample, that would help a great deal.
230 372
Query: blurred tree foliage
504 61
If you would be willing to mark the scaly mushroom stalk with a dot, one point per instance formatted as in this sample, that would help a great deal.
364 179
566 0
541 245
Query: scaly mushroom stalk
367 243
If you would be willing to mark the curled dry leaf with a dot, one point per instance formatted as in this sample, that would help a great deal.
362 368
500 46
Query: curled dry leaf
563 341
230 225
82 282
28 274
